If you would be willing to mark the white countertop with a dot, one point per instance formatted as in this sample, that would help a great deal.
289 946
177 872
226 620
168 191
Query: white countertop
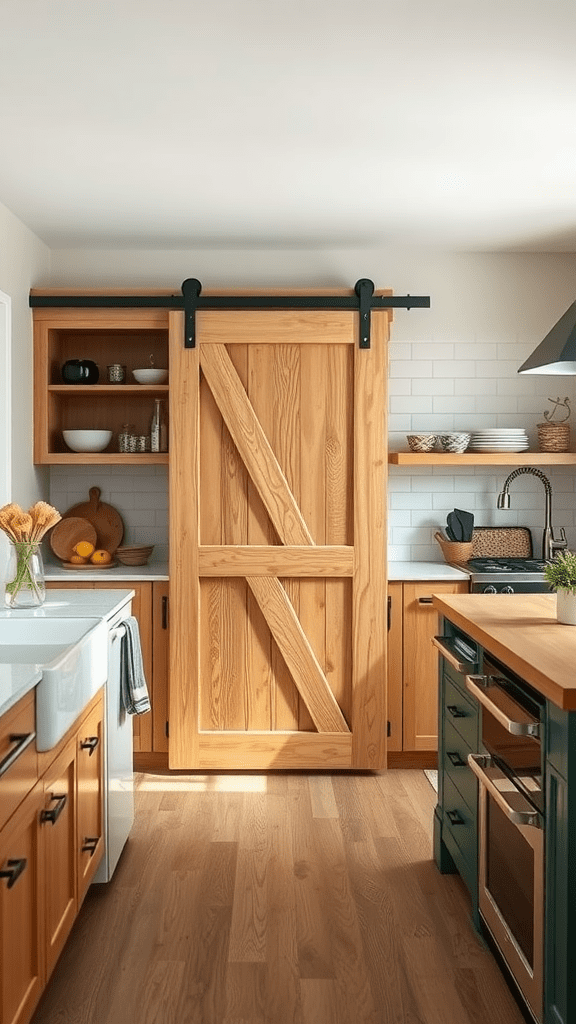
413 571
18 680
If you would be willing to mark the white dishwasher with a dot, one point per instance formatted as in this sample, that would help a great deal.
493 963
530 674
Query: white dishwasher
118 807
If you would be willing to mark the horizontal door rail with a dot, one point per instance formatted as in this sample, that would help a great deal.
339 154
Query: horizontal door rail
363 301
264 560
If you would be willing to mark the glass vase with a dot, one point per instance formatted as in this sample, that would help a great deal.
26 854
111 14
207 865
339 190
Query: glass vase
25 585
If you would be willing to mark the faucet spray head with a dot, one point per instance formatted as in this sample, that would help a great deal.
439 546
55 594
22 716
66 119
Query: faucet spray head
504 499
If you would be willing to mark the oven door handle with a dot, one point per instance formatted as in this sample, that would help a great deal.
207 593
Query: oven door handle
441 642
530 819
475 685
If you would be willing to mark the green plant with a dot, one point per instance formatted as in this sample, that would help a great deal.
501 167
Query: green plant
561 572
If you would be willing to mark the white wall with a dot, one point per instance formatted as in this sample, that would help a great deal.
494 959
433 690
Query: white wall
452 366
24 261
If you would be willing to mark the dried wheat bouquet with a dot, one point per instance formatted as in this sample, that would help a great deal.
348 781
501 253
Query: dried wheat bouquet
30 526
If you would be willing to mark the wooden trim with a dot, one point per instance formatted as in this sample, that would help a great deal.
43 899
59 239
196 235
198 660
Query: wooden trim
78 319
293 644
412 759
263 560
369 598
183 565
252 444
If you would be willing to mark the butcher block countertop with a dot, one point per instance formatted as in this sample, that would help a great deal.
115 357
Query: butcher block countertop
521 630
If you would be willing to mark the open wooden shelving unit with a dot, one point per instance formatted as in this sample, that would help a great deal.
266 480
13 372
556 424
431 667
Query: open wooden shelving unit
482 459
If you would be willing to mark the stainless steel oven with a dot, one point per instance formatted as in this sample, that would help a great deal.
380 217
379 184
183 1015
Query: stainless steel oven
511 825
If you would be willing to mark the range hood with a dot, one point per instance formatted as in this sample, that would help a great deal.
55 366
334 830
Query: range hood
557 353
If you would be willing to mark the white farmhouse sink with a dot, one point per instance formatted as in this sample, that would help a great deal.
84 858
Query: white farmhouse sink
73 657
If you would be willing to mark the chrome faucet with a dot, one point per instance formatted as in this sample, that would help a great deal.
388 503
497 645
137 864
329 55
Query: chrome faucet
549 544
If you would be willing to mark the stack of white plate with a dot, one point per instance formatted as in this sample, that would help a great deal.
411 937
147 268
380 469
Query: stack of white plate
500 439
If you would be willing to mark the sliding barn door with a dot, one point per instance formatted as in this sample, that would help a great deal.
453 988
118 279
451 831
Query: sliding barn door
277 541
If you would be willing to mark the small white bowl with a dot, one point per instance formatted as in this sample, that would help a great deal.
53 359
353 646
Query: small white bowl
421 442
87 440
455 442
150 375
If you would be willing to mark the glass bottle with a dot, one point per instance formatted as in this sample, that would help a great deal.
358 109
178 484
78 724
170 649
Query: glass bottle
25 586
158 429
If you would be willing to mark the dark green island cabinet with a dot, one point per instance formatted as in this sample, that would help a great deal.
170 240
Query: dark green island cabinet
474 630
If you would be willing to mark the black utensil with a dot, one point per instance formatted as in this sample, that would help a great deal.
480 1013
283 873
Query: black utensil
466 520
454 526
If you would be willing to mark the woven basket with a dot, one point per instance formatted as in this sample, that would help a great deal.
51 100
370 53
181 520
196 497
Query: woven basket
553 437
454 551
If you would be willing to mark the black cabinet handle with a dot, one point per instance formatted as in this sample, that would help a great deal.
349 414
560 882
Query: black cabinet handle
21 741
13 871
455 711
454 818
164 612
89 845
90 744
455 758
424 600
54 813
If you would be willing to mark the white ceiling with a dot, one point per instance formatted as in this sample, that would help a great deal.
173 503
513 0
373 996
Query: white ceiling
192 123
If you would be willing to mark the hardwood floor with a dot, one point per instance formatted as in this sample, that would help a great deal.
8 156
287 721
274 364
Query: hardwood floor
278 899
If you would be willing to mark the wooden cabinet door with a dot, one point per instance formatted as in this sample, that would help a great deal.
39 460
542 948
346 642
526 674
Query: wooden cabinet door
160 654
277 541
89 795
58 844
21 889
421 663
395 665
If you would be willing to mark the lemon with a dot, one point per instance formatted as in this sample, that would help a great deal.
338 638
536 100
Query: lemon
78 559
83 548
100 557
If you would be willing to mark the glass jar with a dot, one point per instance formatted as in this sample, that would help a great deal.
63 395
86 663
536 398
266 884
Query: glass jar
127 438
25 585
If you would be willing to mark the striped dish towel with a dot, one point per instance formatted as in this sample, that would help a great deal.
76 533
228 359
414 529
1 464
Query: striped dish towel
133 688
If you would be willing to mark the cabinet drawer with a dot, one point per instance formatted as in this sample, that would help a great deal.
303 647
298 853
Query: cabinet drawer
22 774
461 713
459 822
456 750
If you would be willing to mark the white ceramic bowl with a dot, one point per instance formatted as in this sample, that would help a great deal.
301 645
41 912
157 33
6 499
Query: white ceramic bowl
87 440
150 375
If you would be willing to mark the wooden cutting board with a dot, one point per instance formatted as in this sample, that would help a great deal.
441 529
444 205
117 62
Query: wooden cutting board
67 533
105 519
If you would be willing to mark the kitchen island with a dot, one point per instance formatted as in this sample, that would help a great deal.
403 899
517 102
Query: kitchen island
507 697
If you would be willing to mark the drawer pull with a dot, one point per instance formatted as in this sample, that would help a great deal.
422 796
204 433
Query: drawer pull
455 711
454 818
21 741
455 759
90 744
13 871
53 813
424 600
478 685
89 845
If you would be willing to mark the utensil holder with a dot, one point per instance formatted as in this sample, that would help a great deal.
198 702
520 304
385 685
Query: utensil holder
454 551
553 437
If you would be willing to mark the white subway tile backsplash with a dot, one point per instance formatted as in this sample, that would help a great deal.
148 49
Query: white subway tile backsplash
454 368
400 350
400 386
477 387
410 500
410 404
456 404
433 423
432 350
477 350
403 368
433 386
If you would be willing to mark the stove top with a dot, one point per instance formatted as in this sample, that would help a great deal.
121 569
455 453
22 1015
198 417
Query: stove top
507 565
507 575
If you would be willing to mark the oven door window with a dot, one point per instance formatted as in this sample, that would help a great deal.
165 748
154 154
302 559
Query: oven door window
510 877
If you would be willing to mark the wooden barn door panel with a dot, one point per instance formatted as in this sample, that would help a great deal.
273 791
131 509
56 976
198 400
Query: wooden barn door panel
277 467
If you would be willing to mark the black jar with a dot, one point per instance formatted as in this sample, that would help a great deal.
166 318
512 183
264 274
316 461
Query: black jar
80 371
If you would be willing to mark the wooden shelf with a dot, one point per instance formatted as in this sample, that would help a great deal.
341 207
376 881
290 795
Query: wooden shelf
105 458
108 389
482 459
